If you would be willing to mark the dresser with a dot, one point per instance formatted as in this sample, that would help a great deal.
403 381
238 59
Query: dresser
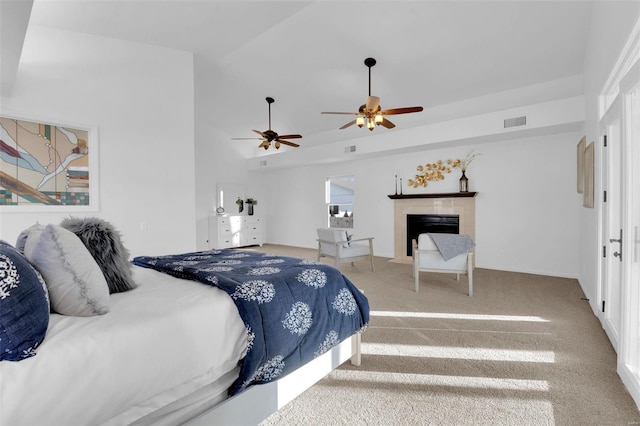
227 231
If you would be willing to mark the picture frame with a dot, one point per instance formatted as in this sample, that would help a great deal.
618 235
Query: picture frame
47 165
589 162
580 164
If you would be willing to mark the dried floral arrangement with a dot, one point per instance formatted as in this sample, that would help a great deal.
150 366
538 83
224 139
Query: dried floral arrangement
431 172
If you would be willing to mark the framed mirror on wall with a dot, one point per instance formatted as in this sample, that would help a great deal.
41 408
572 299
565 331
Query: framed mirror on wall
227 195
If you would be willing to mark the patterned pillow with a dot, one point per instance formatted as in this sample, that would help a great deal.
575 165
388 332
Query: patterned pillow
24 306
105 245
76 285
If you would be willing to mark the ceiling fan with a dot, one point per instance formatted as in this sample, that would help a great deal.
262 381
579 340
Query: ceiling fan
371 113
269 136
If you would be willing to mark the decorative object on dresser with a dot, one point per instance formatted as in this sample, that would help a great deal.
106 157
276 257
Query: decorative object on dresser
240 204
235 231
250 203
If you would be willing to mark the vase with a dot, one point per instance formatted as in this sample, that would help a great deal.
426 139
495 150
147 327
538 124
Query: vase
464 183
250 209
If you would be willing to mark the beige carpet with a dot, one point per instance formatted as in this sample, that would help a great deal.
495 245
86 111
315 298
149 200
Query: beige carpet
525 350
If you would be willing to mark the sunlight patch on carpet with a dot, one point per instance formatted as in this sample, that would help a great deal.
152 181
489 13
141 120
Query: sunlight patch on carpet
483 354
439 380
443 315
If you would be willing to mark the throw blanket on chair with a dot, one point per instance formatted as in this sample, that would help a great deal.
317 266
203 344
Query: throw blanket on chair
452 245
294 309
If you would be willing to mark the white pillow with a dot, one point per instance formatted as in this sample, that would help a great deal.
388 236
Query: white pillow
76 284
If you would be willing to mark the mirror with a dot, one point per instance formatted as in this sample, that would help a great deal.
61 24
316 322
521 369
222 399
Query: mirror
228 193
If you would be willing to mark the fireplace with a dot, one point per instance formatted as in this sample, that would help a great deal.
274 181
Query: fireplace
423 223
447 207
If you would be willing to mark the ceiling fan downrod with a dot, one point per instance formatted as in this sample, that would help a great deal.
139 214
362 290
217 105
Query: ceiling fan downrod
369 62
270 100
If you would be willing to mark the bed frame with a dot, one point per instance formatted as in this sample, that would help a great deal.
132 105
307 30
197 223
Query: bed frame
266 399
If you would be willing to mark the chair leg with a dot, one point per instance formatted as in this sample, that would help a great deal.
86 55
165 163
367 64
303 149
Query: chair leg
470 275
416 278
373 269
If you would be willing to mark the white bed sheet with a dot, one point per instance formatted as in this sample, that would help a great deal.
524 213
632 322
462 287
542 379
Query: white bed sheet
160 343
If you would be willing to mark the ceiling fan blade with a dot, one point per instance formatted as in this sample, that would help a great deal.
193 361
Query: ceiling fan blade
401 110
293 144
260 133
351 123
289 137
373 102
343 113
245 139
386 123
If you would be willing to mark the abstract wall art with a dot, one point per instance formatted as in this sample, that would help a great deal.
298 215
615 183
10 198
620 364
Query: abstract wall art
45 164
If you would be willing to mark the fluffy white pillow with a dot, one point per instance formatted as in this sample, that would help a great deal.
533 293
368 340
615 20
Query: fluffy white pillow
75 282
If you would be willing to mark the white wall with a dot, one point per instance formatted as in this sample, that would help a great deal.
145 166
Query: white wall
216 157
141 99
526 207
610 27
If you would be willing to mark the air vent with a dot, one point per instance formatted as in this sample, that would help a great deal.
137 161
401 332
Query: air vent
263 163
514 122
349 149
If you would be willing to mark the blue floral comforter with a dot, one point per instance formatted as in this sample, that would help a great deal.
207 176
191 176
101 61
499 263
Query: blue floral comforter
294 309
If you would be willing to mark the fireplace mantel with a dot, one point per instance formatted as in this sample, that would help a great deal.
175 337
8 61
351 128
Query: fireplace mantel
433 195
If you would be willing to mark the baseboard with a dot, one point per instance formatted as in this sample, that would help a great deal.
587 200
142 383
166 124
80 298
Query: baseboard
630 382
529 271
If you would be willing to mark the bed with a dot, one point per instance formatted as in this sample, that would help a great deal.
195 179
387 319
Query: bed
174 350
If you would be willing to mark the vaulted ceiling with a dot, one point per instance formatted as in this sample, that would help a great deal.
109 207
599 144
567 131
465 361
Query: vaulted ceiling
309 55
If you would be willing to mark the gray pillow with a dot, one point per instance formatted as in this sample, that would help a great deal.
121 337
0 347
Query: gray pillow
105 245
22 238
76 285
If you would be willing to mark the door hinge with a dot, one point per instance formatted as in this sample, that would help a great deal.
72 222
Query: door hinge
604 140
604 251
603 306
604 196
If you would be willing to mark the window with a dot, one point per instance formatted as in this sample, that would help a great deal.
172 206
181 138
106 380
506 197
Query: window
340 192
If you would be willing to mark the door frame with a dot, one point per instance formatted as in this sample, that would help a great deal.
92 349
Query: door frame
629 350
624 78
612 186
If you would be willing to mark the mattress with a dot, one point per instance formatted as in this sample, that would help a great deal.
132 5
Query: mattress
166 347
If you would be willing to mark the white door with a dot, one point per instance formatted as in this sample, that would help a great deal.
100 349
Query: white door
629 353
612 167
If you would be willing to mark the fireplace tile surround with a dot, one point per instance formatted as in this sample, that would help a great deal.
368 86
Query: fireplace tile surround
456 203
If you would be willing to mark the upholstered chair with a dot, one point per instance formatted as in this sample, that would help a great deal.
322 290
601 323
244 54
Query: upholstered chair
336 243
427 257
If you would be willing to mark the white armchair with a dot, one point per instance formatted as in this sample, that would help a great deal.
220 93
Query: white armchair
427 258
335 243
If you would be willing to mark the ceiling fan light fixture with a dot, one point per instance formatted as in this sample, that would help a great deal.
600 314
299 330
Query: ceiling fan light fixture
360 121
370 124
379 119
